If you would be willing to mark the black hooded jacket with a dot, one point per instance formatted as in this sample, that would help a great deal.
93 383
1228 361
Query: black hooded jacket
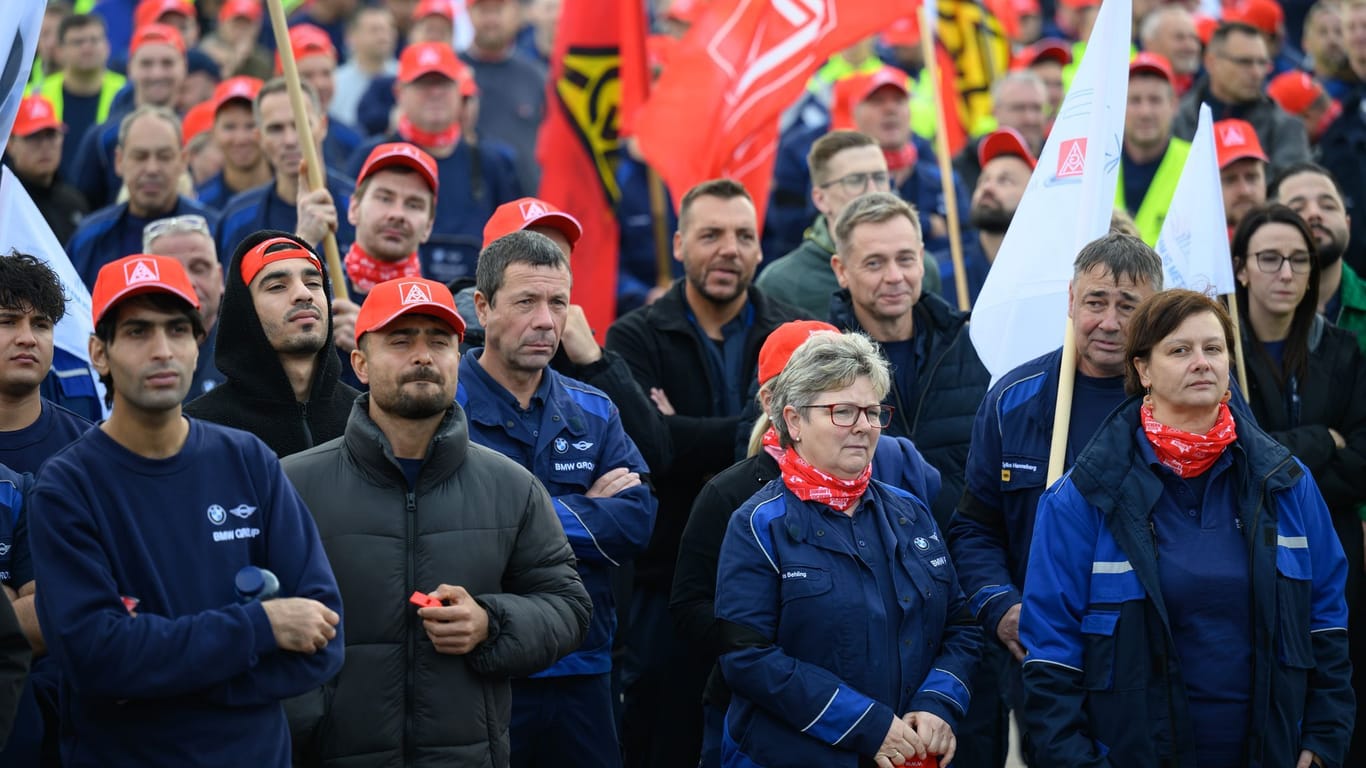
257 396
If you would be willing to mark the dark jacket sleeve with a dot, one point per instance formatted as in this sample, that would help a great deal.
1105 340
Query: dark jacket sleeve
693 600
945 690
14 660
542 614
639 415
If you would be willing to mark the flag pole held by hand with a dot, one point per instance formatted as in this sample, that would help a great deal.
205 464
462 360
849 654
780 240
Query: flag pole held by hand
929 16
1062 411
314 164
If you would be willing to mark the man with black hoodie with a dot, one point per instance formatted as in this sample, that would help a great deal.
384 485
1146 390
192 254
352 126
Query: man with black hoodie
275 348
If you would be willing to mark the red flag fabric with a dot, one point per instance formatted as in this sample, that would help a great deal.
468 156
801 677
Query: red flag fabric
715 110
580 138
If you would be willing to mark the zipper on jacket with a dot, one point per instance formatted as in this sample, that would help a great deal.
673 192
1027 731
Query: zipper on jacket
408 704
303 420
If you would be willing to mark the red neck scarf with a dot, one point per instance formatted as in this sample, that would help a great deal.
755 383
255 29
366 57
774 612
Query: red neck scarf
811 484
772 446
438 141
366 271
1186 453
901 159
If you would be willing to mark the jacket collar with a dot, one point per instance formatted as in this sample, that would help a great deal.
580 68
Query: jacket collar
930 310
374 454
819 234
556 404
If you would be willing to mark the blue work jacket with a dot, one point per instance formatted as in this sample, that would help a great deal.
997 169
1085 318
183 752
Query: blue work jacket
571 436
805 618
1103 682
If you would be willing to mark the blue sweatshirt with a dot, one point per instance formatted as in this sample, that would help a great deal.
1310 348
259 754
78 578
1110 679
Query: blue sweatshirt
569 437
24 450
195 678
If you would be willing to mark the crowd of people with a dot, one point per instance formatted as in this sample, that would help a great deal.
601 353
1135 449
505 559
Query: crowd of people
412 512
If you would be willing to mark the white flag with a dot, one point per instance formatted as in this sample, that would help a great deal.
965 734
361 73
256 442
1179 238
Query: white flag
1194 239
19 29
1022 309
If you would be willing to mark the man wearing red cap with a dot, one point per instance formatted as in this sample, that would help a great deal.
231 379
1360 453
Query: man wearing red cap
432 90
511 86
34 153
156 70
370 36
1047 58
1169 31
150 161
1242 168
1300 95
143 611
1006 167
173 13
274 345
327 16
316 58
1236 65
411 510
1266 17
571 436
234 133
82 92
1152 160
285 203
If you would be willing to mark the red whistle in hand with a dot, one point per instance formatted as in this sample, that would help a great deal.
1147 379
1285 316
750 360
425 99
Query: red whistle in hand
424 601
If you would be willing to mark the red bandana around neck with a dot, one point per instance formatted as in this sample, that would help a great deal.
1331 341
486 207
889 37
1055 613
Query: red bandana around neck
772 446
811 484
1186 453
901 159
428 140
366 271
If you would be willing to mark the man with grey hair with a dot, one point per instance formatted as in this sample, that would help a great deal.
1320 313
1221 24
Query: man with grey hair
150 160
937 378
990 533
1020 101
188 240
1169 31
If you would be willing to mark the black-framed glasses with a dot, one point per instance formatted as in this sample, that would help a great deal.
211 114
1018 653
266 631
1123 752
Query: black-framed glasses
1270 262
846 414
858 182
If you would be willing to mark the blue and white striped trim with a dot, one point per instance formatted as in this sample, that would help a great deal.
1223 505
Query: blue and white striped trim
840 715
764 513
584 526
948 686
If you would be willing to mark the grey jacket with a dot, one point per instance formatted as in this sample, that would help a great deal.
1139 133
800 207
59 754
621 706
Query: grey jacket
1282 136
476 520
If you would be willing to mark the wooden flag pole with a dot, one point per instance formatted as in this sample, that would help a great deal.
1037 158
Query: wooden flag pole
941 138
660 224
316 170
1237 342
1062 409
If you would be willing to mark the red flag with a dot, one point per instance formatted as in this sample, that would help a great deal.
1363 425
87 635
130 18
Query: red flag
715 110
580 139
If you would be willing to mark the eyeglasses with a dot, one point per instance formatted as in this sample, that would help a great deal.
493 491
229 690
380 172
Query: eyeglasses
858 182
846 414
190 222
1270 262
1247 61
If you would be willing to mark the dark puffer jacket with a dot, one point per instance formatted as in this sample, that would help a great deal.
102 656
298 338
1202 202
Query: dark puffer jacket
937 414
476 520
257 396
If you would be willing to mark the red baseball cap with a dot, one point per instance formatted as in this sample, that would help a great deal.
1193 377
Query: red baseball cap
36 114
393 299
1236 140
233 9
1151 64
855 89
1264 15
240 88
138 274
307 40
430 58
156 33
1204 27
1048 49
903 31
1295 91
400 153
151 11
1004 142
272 250
1077 4
440 8
528 212
197 121
783 341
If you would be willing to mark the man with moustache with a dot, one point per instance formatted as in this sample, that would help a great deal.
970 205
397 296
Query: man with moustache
150 160
408 504
1006 166
274 346
1312 192
695 351
1153 158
